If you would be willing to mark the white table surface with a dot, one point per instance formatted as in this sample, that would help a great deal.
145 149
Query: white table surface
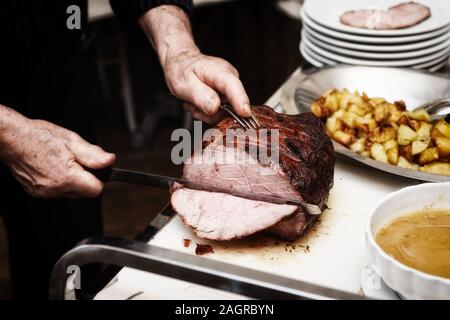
337 244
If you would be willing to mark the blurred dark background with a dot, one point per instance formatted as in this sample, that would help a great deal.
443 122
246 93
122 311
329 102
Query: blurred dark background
257 37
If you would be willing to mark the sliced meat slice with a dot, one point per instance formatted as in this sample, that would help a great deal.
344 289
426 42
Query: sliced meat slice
217 216
232 168
401 16
368 19
408 14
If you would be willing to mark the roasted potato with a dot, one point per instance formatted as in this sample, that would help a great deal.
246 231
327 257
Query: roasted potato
443 146
377 101
381 112
349 118
359 110
319 109
400 105
404 163
333 124
345 98
390 144
414 124
406 135
387 132
342 137
443 128
331 102
394 118
391 147
359 145
424 131
381 135
418 146
378 153
392 155
437 168
366 125
420 114
406 152
429 155
403 120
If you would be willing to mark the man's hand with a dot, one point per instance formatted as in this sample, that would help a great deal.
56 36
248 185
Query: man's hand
48 160
200 80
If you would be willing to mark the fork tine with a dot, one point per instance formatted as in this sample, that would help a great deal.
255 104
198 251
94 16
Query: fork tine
304 98
443 109
442 113
300 92
306 95
437 106
253 123
256 121
433 104
247 122
235 116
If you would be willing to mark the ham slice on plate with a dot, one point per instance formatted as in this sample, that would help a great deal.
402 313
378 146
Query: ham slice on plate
401 16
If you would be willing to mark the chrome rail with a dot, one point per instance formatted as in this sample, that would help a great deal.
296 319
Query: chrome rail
185 267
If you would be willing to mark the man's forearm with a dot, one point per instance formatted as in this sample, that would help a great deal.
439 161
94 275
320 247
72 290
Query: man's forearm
10 121
201 81
169 30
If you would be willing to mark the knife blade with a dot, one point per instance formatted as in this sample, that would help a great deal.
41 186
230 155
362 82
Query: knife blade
160 181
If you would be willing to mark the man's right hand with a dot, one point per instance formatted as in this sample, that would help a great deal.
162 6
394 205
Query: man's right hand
48 160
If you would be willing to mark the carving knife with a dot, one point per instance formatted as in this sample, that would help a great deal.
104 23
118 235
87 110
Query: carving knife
159 181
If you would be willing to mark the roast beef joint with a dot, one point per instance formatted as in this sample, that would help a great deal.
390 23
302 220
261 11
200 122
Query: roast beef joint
304 171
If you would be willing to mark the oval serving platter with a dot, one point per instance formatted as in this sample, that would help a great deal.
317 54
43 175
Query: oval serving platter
412 86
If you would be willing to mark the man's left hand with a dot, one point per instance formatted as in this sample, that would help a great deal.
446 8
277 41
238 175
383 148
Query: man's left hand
201 81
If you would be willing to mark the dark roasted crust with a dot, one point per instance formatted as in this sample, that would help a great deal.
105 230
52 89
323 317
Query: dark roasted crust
290 228
306 152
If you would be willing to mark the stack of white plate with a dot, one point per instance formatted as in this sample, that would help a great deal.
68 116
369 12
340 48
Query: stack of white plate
326 41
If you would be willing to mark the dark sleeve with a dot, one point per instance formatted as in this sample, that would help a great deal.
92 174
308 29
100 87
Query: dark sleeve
133 9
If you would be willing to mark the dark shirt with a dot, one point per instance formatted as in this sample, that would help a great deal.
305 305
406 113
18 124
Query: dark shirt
35 41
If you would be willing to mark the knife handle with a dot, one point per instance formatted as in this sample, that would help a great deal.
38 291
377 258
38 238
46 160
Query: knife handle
104 175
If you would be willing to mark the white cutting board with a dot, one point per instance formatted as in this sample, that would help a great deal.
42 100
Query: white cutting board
336 244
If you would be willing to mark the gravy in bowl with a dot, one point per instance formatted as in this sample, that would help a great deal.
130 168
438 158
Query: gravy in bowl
419 240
